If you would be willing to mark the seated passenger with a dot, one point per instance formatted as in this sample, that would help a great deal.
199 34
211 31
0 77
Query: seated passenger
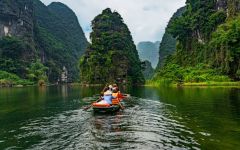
107 96
116 94
110 87
116 90
115 87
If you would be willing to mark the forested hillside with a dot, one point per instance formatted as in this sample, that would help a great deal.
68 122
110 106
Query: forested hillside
112 54
59 38
208 43
38 41
168 43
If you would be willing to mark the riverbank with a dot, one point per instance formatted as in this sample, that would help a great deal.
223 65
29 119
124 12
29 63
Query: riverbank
12 80
86 85
192 84
24 83
165 83
212 84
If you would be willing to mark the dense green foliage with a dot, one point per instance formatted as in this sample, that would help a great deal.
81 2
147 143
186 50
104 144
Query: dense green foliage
8 79
225 48
208 44
37 71
149 51
112 54
15 55
53 37
168 43
69 30
55 56
15 64
60 39
148 70
199 73
197 23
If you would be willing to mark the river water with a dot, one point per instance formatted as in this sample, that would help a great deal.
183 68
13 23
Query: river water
154 118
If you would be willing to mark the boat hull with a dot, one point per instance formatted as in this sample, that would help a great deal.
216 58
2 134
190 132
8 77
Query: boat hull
110 109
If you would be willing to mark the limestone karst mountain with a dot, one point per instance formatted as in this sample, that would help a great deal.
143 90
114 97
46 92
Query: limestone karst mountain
112 54
29 30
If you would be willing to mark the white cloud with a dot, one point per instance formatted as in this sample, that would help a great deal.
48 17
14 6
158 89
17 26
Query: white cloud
146 19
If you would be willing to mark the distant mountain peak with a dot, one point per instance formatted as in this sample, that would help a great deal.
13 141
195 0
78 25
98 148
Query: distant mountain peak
60 5
149 51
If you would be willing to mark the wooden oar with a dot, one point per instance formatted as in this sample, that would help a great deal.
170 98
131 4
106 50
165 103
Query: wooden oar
126 95
123 96
87 107
121 106
100 98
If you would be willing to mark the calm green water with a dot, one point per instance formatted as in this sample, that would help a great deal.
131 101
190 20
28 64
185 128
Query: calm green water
165 118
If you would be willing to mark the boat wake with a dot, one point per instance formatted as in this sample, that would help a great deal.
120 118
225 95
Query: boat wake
144 124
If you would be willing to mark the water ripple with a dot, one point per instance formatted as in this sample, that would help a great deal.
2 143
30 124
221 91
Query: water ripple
144 124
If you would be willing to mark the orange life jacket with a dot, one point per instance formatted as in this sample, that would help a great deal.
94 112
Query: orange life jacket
120 95
115 100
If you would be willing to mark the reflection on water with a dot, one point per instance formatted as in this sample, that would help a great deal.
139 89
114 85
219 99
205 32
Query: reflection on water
110 123
211 113
164 118
64 91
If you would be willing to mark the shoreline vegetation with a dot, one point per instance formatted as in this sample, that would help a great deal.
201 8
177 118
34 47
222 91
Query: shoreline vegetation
167 83
12 80
25 83
187 76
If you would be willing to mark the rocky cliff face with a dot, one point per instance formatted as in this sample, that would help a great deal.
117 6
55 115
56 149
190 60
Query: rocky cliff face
207 39
17 49
16 18
221 4
50 33
230 6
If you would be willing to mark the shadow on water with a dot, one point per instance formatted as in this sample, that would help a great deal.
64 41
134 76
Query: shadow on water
164 118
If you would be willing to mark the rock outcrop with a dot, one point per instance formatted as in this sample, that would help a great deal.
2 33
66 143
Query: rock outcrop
51 33
230 6
207 39
16 18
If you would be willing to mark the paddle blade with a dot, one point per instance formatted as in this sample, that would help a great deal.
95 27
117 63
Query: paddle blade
87 107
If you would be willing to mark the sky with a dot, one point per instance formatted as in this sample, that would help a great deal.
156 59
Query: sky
146 19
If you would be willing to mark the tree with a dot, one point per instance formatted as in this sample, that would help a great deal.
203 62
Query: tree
37 71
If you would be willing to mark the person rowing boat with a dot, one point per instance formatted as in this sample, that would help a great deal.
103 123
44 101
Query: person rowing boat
110 98
107 96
